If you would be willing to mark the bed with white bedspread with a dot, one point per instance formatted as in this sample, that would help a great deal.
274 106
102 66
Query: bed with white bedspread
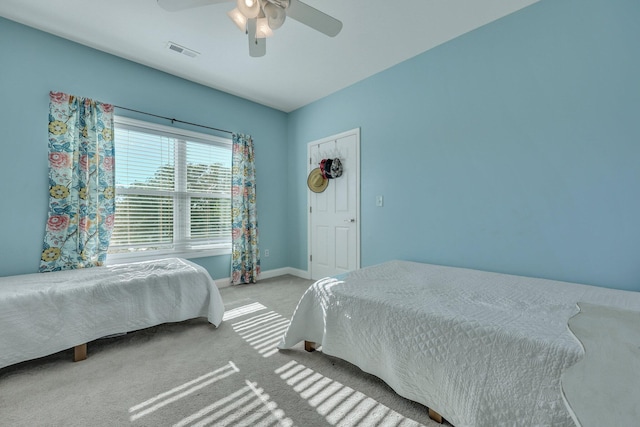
44 313
479 348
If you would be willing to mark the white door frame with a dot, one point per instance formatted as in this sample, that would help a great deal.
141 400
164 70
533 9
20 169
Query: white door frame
310 167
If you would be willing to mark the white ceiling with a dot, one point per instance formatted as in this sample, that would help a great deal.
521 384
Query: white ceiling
301 64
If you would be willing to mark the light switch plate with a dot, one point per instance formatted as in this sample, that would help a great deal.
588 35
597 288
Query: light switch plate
379 201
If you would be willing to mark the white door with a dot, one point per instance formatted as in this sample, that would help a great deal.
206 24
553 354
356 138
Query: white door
334 230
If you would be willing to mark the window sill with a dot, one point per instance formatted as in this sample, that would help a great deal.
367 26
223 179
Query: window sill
122 258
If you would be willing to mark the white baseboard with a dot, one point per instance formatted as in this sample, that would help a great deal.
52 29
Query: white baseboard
303 274
286 270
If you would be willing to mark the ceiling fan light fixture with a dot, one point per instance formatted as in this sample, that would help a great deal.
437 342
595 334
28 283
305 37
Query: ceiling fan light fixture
275 15
262 29
270 13
249 8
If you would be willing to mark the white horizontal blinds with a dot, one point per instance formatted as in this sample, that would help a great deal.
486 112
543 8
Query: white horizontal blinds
142 222
144 160
172 189
208 169
145 181
209 191
210 218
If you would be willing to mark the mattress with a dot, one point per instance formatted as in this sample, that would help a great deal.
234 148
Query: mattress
44 313
480 348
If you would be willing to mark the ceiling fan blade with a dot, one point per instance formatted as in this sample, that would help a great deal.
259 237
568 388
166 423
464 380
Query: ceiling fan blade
176 5
313 18
257 47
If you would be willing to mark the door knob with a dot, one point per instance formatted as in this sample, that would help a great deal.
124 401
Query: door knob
350 220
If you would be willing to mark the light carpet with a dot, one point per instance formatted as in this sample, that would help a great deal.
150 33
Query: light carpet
193 374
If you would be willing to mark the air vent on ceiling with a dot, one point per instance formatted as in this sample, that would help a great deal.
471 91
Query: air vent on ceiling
181 49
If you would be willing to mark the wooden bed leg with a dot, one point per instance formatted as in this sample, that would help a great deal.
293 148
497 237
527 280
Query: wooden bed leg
435 416
80 352
310 346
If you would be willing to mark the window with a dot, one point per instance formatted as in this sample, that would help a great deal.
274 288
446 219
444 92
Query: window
173 192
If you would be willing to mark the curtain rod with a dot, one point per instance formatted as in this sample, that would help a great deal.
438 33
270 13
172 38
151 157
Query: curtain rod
172 120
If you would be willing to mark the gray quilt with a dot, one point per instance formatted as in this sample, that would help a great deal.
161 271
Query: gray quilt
480 348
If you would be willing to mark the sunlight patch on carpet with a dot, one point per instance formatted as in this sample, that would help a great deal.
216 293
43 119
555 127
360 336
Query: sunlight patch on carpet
163 399
263 332
242 311
248 406
340 405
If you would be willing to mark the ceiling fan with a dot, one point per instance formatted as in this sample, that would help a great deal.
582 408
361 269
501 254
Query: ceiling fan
258 18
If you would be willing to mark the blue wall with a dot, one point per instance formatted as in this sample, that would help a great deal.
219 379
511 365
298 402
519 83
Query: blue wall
514 148
34 63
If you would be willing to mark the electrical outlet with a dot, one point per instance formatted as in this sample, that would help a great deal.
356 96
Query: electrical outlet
266 253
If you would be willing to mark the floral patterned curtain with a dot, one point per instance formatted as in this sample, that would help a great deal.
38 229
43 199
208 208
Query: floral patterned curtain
81 183
245 255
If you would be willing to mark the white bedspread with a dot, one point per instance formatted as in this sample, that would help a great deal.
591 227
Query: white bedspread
482 349
43 313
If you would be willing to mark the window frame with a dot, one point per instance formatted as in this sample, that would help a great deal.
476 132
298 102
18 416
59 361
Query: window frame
181 246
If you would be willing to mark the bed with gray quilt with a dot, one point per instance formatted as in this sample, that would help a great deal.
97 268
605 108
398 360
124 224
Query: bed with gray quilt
478 348
43 313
